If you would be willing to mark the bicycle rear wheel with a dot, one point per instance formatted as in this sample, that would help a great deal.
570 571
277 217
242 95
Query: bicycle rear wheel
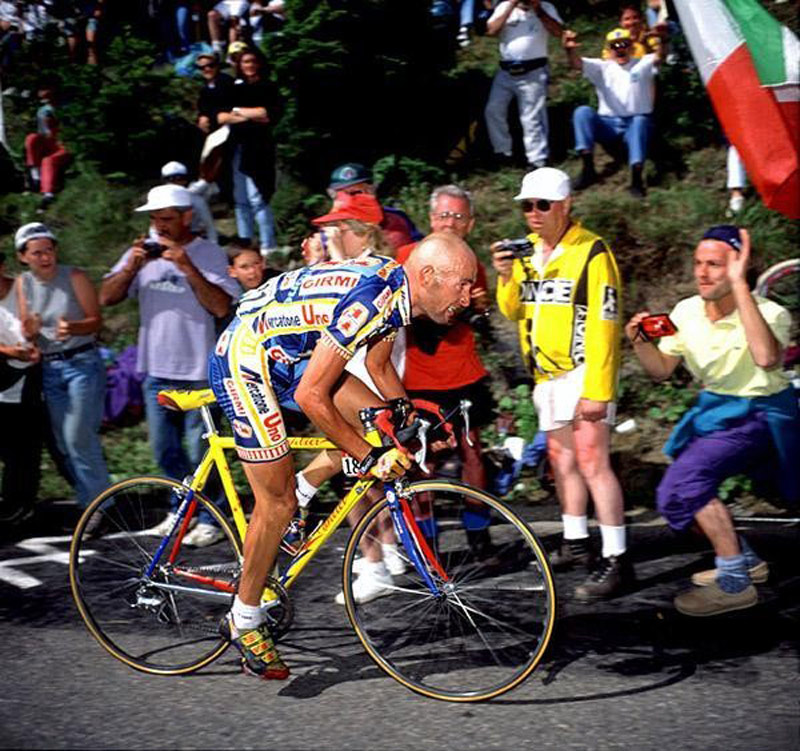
164 622
490 622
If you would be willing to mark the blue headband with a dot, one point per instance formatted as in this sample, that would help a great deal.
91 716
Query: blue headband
725 233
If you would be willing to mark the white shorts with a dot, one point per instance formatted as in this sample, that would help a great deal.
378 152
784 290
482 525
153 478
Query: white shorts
557 399
232 9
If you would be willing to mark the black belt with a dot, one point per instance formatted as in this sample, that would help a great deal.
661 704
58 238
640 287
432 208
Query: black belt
519 67
68 353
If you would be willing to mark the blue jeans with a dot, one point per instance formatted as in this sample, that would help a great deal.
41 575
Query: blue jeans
75 391
249 204
176 437
467 12
590 127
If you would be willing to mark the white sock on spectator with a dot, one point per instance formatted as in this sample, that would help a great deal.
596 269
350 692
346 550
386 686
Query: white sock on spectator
304 491
246 617
613 540
35 174
575 527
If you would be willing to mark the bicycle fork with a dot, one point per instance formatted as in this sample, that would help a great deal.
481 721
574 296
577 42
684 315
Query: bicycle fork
413 540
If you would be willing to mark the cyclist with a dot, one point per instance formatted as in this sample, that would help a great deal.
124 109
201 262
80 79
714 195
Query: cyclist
287 347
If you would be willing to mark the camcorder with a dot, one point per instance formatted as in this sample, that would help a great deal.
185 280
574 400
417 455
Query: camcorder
657 326
153 248
521 248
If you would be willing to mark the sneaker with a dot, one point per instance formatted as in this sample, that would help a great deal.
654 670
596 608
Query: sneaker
637 190
711 600
259 655
463 37
203 535
395 562
370 585
572 553
758 575
607 580
164 527
587 177
94 527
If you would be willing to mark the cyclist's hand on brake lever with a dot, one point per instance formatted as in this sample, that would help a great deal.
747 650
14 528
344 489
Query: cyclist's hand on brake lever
386 463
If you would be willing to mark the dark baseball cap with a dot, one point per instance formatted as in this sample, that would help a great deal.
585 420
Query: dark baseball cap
725 233
349 174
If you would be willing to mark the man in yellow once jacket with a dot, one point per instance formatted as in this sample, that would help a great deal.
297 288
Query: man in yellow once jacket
564 291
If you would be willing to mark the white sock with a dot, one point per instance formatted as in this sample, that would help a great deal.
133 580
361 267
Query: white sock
613 540
35 173
304 491
246 617
575 527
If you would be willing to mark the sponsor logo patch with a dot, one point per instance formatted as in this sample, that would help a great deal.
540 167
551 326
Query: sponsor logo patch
609 311
352 319
242 429
383 298
324 283
548 291
578 348
388 269
274 425
222 343
279 354
233 395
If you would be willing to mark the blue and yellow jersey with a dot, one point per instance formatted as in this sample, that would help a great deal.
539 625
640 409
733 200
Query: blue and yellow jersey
344 304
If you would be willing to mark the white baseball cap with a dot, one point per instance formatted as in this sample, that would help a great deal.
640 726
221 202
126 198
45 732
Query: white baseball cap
545 182
167 197
31 231
173 169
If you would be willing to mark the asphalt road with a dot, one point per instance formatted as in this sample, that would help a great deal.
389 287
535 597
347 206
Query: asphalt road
629 673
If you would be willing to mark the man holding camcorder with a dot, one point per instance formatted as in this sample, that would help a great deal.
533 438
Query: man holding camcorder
563 287
745 419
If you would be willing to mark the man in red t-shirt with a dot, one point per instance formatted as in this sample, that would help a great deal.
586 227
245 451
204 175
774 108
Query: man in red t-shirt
442 364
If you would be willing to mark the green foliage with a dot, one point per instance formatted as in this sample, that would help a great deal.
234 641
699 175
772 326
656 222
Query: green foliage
519 404
669 401
734 487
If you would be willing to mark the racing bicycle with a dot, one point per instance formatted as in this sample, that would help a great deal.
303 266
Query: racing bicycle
460 624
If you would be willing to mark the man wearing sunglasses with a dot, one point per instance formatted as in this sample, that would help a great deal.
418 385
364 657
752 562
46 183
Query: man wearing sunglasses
565 297
215 93
625 95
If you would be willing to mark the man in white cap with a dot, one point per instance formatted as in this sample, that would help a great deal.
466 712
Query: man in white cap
175 173
182 284
565 293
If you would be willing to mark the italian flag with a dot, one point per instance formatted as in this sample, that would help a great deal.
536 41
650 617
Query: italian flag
750 65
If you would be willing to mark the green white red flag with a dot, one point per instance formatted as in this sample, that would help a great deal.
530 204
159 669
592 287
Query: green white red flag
750 65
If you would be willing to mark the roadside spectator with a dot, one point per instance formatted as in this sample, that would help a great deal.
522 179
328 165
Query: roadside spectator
46 157
20 406
522 27
625 95
247 266
565 297
81 24
442 364
181 285
745 419
234 15
202 219
352 179
644 41
215 94
253 103
10 33
266 17
60 314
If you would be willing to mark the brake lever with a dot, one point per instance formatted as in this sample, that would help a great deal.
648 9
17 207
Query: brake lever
464 407
421 455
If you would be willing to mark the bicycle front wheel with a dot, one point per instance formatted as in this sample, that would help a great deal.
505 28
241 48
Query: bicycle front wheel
160 619
487 624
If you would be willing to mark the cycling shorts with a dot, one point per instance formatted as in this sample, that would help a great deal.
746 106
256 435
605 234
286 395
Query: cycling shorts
239 376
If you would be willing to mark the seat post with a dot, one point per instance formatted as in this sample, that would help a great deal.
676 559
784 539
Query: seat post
208 420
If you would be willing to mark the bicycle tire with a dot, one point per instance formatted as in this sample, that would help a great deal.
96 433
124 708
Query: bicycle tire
490 628
151 629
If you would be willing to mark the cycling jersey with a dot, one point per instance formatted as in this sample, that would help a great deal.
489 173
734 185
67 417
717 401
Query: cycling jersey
260 358
568 310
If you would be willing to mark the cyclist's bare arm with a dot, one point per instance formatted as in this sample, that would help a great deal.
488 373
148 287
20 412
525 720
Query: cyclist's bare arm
382 371
314 395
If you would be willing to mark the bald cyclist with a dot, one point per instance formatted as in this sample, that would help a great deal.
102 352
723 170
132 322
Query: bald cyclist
356 303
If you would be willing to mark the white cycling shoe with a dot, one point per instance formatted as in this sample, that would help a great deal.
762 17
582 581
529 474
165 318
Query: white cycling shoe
373 582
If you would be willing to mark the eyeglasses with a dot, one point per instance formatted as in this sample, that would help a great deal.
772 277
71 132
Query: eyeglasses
540 204
456 216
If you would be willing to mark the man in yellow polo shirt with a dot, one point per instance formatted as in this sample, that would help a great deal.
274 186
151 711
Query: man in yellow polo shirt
745 418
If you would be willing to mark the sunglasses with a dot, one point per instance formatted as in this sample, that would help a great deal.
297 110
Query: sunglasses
207 66
540 204
619 46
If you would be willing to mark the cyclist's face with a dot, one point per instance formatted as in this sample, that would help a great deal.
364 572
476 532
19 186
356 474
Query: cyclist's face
711 269
449 293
